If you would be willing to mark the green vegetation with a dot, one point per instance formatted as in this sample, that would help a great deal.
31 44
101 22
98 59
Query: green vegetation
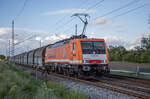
61 91
140 54
16 83
2 57
130 74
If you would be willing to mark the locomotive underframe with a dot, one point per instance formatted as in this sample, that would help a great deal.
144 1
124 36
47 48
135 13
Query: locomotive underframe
85 69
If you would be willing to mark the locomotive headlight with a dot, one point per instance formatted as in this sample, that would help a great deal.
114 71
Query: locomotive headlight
104 61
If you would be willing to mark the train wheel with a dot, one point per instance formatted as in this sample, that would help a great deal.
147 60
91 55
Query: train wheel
99 73
77 75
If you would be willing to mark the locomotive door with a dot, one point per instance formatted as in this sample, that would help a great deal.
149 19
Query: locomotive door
74 54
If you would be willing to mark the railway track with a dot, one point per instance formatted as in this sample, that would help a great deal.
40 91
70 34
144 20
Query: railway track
145 82
113 86
128 82
103 85
125 86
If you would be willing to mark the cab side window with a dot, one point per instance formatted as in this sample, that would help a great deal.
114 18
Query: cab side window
74 46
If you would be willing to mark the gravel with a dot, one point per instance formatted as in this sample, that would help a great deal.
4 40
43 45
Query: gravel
92 91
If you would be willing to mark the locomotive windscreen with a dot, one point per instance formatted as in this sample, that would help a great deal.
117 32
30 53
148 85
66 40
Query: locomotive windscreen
93 47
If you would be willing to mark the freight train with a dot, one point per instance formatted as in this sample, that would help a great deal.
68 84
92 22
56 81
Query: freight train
77 55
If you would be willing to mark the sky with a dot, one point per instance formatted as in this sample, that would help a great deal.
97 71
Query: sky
119 22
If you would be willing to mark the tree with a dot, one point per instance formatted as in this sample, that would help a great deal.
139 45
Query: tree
116 53
141 54
145 43
2 57
138 48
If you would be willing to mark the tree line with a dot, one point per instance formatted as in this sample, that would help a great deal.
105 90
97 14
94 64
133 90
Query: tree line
140 54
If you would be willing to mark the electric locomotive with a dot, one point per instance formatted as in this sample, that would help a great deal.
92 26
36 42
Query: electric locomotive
78 55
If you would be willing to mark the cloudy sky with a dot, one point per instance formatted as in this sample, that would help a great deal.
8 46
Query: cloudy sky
119 22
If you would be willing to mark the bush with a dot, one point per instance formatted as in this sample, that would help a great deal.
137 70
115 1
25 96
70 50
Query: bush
2 57
119 53
18 84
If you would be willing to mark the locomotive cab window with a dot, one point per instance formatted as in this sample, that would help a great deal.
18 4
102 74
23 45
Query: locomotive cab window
90 47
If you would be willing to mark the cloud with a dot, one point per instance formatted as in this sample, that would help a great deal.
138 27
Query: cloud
4 31
24 34
69 11
119 41
38 38
2 40
104 26
99 21
56 37
137 40
115 40
20 35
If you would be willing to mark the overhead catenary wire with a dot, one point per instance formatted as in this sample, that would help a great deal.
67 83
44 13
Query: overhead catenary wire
131 10
21 10
26 39
22 45
117 9
95 5
16 44
58 28
85 1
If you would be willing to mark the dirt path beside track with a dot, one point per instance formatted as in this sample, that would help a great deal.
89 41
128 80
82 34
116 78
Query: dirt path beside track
127 66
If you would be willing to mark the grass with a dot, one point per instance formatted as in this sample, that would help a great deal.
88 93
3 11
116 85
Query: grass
131 74
61 91
16 83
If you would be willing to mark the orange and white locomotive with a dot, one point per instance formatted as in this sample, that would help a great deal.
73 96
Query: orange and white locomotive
87 56
74 56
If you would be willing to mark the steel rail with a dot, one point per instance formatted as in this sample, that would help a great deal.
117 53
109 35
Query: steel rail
125 86
134 79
